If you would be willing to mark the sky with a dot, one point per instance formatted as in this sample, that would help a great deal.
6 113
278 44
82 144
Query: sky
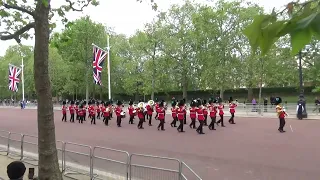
126 16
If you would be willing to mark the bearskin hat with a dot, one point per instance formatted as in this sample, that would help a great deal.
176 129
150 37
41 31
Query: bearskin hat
161 103
198 102
278 100
81 105
77 103
174 103
193 104
102 102
97 103
72 102
119 103
64 102
93 101
204 102
130 102
181 103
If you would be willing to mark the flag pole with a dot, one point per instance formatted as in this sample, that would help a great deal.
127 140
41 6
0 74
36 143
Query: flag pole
109 75
22 78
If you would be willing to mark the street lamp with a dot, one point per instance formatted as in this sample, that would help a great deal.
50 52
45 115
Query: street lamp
301 88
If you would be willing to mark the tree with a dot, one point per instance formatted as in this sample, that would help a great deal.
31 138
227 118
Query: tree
19 18
299 20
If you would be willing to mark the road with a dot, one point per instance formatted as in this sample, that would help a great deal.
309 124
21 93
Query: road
250 150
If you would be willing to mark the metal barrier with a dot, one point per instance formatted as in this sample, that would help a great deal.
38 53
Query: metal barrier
15 151
139 171
29 144
4 140
188 175
120 165
115 169
77 168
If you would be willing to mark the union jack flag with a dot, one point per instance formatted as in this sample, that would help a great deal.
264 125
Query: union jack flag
14 74
99 56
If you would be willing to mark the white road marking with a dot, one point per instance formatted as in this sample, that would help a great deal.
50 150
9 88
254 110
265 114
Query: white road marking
291 128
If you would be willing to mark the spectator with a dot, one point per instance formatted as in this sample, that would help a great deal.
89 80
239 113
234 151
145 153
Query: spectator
16 170
265 104
254 105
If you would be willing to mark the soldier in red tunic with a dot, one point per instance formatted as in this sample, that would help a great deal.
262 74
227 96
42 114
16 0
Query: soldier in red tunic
92 112
149 113
156 106
76 108
232 108
141 117
106 113
185 114
221 113
98 109
85 110
181 112
161 116
118 111
201 118
81 113
205 112
131 112
71 110
64 111
213 114
193 114
174 114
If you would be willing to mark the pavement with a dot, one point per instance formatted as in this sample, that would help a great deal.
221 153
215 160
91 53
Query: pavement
252 149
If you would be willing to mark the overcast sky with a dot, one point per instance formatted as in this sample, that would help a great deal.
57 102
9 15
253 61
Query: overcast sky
126 16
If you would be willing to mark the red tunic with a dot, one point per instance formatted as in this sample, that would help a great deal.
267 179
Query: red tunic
77 109
193 113
174 112
220 107
64 109
71 109
106 112
213 111
205 111
81 111
161 113
232 108
181 112
84 111
149 110
118 110
130 110
140 113
200 114
98 108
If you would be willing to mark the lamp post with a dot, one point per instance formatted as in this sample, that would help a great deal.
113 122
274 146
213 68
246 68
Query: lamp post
301 88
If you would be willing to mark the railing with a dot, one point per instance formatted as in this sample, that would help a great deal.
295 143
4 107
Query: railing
97 162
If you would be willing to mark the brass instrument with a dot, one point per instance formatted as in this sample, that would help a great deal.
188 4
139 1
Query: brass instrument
141 105
151 102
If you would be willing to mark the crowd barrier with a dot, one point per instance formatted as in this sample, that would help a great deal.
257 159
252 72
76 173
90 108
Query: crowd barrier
80 159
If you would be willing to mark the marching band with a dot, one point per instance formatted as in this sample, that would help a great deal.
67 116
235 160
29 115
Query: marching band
198 110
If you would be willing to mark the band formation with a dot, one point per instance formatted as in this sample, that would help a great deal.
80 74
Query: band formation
199 111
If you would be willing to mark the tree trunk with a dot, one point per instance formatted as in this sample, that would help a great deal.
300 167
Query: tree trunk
250 95
48 157
221 93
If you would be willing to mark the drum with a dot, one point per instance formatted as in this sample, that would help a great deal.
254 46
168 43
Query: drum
123 113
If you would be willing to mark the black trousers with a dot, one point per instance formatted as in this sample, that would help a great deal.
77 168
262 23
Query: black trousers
119 121
205 123
77 116
213 121
72 117
161 124
185 119
93 119
231 120
106 120
174 122
145 114
131 119
64 117
193 123
84 117
221 120
150 119
81 119
140 124
200 127
282 122
98 115
180 127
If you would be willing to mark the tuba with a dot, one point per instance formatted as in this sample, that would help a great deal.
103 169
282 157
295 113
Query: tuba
151 102
141 105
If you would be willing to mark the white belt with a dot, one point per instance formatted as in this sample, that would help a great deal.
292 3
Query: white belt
180 113
192 113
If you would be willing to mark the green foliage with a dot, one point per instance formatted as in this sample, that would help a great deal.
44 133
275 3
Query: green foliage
302 23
